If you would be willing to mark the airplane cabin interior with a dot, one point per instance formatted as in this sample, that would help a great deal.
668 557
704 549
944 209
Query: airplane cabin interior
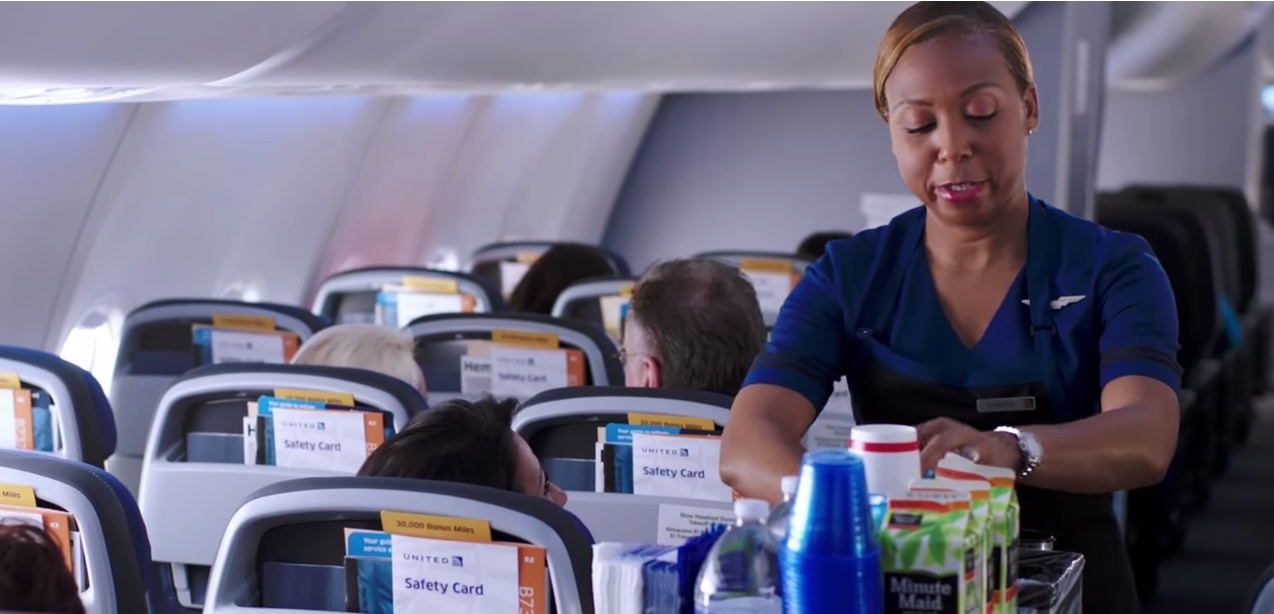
193 191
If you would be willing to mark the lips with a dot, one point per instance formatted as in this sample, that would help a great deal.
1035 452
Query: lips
962 191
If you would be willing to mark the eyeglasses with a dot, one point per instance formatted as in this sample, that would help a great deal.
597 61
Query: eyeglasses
623 355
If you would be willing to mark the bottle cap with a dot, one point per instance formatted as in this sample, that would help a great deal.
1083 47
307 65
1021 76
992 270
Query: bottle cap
788 485
751 509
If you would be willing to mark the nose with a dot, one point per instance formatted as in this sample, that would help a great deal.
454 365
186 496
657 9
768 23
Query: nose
954 142
557 495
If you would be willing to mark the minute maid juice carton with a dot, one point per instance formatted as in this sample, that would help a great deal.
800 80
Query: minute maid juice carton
979 489
1005 527
978 528
928 555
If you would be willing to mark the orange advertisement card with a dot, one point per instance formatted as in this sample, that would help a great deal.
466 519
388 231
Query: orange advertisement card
23 424
291 343
56 523
532 580
374 429
574 367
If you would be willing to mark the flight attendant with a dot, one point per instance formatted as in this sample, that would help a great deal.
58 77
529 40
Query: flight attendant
1003 328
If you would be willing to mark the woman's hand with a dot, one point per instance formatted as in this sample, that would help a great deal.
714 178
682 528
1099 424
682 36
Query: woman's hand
943 435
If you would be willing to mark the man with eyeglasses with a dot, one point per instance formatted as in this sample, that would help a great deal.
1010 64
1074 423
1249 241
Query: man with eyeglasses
692 324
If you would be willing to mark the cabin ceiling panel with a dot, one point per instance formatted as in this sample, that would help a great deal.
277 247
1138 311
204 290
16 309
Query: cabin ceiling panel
406 48
550 166
148 43
1156 46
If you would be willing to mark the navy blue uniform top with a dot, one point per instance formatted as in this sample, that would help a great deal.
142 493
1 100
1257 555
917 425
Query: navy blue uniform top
1125 324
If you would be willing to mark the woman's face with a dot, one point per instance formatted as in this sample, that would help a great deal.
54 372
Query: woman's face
530 475
958 125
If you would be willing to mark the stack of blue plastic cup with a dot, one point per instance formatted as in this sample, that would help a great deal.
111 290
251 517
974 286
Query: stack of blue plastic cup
830 561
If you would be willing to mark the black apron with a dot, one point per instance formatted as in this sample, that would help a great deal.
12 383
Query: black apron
890 388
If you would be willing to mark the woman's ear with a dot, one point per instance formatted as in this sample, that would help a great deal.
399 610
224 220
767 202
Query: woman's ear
1031 102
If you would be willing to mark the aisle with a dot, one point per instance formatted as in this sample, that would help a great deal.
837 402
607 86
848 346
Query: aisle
1231 542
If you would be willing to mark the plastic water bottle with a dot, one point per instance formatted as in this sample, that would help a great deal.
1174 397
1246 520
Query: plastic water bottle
780 513
741 574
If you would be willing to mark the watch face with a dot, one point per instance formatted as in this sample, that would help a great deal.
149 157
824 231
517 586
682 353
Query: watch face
1030 444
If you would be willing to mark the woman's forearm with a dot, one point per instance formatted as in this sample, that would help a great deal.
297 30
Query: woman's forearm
1127 446
762 441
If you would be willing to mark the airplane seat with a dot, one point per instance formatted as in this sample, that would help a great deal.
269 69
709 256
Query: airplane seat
561 427
1261 598
285 547
350 297
773 274
119 574
1255 319
454 353
1202 215
1179 243
71 415
1156 515
596 301
194 470
157 347
737 257
504 264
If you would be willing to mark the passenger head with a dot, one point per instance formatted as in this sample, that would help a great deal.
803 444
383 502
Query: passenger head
33 572
692 325
468 442
953 81
365 346
813 246
554 271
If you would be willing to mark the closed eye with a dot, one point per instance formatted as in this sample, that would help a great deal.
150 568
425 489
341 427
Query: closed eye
975 118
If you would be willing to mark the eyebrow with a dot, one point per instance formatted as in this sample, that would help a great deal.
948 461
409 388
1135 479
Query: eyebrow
968 90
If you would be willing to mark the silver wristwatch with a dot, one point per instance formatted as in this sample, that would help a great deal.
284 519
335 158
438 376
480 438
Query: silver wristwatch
1030 447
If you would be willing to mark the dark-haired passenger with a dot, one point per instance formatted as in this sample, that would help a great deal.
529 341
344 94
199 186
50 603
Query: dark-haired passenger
33 572
815 245
554 271
471 442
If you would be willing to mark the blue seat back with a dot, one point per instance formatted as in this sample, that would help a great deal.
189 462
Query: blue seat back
114 540
443 340
83 414
771 299
586 301
157 347
561 427
286 531
192 481
350 297
1261 599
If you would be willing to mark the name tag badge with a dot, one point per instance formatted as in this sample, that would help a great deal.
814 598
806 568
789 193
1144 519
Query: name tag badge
1007 404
